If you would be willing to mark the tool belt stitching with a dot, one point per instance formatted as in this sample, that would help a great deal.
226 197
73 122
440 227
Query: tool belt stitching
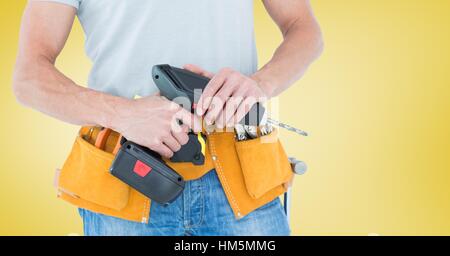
145 210
220 172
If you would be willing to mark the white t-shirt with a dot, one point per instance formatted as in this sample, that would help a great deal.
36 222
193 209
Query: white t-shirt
125 38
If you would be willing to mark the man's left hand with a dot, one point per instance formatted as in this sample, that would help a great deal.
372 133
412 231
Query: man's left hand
228 97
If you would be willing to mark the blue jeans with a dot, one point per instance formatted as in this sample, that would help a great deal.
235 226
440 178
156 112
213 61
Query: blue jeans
202 209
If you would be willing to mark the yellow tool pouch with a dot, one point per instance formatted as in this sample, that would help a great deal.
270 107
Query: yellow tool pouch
264 164
85 181
85 175
252 173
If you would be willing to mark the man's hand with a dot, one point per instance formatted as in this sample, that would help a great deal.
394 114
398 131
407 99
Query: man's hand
228 97
154 122
151 121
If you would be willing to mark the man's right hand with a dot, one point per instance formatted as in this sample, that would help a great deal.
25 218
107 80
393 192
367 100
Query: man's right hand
153 122
150 121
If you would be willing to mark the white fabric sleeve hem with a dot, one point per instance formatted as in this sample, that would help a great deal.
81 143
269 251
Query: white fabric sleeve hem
74 3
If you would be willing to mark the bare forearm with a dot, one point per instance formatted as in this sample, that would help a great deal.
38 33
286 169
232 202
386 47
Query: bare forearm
302 44
39 85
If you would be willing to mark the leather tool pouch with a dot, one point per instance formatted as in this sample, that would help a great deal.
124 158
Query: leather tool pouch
264 164
85 174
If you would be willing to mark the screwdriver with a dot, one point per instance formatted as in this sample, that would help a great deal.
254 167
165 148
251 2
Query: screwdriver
240 132
252 131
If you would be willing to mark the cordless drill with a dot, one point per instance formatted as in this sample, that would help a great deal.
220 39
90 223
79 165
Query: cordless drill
145 170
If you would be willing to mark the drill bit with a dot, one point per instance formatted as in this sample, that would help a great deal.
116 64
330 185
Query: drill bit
287 127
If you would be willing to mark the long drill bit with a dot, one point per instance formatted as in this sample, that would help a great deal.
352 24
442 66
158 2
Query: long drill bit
287 127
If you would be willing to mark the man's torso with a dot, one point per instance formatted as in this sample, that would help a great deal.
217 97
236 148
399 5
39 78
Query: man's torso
125 38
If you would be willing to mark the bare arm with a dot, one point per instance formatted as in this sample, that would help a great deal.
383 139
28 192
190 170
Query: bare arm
230 94
39 85
302 44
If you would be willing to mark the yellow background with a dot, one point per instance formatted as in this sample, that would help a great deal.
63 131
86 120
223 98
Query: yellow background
376 103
